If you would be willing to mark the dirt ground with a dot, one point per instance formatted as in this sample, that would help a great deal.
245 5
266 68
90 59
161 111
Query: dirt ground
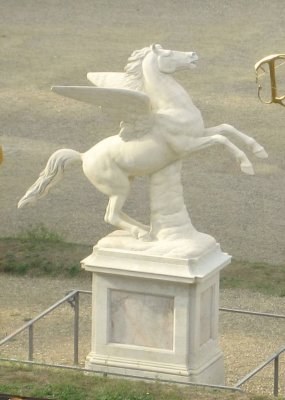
44 43
245 340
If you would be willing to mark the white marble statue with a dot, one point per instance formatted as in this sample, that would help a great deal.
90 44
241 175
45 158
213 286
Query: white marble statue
160 126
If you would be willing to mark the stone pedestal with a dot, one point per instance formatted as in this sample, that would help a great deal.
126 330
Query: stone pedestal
156 316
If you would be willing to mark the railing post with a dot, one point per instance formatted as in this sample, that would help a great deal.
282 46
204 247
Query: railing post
76 328
31 342
276 375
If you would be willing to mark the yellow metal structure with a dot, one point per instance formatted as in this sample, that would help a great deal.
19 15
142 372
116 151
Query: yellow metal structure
269 61
1 155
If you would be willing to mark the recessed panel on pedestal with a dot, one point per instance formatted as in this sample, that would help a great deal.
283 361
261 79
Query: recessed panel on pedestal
206 315
141 319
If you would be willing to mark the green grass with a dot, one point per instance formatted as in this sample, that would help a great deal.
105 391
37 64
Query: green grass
39 234
67 385
259 277
38 251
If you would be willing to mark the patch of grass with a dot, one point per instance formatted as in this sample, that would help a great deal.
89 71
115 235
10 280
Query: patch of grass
260 277
59 391
38 234
67 385
39 251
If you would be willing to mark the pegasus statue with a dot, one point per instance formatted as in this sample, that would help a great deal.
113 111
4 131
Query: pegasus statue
159 126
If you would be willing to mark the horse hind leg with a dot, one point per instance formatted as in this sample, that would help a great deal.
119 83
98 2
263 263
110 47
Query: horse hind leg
116 217
251 143
112 181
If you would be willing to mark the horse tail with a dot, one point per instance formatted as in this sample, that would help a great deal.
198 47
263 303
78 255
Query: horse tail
52 174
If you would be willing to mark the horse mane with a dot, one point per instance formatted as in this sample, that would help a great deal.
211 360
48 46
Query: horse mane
133 69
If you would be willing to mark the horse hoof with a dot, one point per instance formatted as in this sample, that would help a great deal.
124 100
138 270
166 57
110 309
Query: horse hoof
247 169
146 237
259 151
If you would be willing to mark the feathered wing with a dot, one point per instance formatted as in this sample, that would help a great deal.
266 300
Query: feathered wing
132 107
117 80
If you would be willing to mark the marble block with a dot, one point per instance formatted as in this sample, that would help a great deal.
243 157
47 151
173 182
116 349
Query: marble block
156 317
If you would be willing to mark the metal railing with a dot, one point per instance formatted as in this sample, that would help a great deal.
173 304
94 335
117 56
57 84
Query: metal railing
254 313
73 299
275 358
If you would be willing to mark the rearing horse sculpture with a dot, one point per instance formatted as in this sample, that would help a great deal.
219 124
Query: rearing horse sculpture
160 125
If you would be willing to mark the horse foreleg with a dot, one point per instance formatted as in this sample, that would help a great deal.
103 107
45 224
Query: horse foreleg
251 143
206 141
116 217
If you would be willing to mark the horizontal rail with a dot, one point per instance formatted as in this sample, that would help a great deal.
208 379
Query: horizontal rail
67 297
237 311
82 291
260 367
73 368
41 315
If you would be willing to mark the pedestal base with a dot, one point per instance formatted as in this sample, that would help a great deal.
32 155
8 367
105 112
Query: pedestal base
211 373
156 317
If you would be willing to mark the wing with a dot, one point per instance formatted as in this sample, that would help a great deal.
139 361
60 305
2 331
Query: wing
126 103
109 79
132 107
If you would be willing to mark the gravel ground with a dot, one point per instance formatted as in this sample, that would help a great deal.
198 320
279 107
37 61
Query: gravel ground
245 340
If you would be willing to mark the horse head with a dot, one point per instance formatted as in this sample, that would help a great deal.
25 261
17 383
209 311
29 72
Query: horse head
170 61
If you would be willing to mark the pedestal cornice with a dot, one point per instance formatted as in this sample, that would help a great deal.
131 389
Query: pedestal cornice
137 264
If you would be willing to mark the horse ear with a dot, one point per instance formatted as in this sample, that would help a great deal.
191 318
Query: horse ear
155 47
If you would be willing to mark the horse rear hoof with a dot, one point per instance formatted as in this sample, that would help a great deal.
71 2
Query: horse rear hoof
247 169
146 237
